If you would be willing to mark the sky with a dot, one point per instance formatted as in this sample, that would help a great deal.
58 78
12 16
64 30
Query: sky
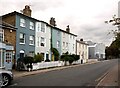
86 18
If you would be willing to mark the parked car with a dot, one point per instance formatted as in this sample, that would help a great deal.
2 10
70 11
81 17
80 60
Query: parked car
5 77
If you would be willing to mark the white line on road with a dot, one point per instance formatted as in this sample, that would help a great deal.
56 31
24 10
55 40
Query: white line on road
15 84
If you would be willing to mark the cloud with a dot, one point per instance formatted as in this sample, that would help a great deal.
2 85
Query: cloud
85 17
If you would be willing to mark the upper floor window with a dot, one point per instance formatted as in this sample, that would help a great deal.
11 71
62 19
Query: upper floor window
42 41
58 44
31 25
31 38
38 41
38 28
42 27
63 44
73 47
22 22
1 35
63 35
66 45
58 33
22 38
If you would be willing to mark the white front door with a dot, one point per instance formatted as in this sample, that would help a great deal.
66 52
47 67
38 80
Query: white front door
8 61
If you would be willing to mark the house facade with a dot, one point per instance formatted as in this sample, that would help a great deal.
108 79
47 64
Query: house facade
68 42
96 50
25 32
82 50
43 40
6 47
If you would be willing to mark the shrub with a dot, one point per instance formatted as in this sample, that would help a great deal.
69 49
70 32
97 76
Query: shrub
70 58
56 54
28 59
38 58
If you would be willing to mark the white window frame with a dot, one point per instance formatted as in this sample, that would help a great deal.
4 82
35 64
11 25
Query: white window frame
38 41
22 22
1 35
63 44
22 38
58 44
43 27
31 40
38 28
31 25
42 42
66 45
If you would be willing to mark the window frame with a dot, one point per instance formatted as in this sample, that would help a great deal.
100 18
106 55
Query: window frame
22 38
42 42
43 27
31 25
1 35
22 22
31 38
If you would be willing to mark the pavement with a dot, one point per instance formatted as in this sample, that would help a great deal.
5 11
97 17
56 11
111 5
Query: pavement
110 78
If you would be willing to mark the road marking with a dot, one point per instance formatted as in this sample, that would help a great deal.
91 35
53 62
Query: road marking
102 78
15 84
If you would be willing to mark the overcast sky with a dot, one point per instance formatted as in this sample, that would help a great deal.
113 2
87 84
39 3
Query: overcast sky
85 17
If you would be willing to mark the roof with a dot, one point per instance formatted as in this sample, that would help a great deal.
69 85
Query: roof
82 42
17 13
7 26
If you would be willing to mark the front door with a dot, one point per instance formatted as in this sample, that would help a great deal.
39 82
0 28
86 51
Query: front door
8 61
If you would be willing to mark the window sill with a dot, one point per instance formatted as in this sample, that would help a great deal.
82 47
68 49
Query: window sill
31 44
22 43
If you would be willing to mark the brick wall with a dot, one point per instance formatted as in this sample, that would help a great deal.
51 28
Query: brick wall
10 37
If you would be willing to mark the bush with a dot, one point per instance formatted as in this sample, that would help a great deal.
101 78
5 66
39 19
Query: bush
38 58
28 59
56 54
70 58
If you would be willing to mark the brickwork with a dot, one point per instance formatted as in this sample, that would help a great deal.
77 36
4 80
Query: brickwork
10 37
9 19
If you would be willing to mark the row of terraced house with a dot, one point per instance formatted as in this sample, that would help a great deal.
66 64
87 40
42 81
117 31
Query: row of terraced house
21 35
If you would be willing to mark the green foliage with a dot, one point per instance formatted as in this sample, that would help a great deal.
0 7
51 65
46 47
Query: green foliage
70 58
56 54
113 51
28 59
38 58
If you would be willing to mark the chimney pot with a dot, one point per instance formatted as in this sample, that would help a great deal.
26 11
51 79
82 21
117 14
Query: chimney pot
27 11
68 29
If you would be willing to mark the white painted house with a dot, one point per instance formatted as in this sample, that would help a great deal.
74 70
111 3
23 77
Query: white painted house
68 42
96 50
42 41
82 50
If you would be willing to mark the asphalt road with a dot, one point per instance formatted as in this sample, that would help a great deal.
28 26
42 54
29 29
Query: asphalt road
83 75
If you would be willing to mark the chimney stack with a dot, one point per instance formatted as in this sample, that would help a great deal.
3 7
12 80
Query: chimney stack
68 29
27 11
81 39
53 22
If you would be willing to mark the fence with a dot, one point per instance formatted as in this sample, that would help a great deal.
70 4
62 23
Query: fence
42 65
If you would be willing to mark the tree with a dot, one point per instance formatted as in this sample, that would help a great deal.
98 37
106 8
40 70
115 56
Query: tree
56 54
113 51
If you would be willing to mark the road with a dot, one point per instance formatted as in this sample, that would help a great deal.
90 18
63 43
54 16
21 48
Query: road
83 75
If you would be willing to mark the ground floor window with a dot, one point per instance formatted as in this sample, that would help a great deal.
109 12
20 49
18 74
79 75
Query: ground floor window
8 57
